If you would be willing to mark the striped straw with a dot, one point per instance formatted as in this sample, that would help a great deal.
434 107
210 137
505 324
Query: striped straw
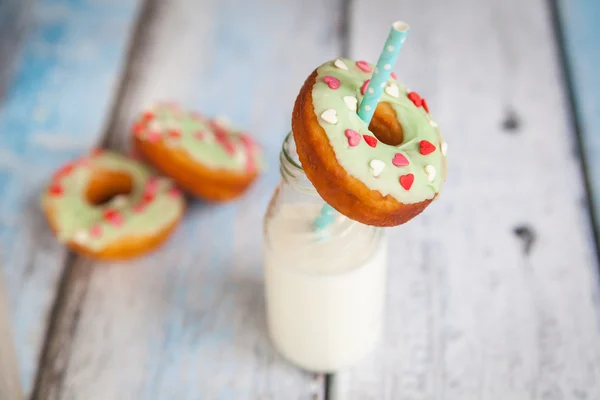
380 77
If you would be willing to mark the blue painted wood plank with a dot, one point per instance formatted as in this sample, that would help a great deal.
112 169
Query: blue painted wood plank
581 35
54 108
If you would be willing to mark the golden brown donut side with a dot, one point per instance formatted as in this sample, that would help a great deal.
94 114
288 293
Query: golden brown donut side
210 184
343 192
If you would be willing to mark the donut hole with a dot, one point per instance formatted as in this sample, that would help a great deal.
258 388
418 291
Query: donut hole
385 125
106 185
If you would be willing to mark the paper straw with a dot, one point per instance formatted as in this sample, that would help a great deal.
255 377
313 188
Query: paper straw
387 60
385 64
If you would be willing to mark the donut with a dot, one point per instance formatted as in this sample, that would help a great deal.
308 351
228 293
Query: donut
383 174
110 207
209 159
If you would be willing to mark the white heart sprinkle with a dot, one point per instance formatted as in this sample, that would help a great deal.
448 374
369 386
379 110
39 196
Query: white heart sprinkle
371 90
387 66
81 237
433 123
392 90
340 64
368 108
390 48
119 201
430 171
329 116
351 102
154 125
377 167
444 148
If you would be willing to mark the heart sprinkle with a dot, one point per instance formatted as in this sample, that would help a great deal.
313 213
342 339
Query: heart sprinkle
444 148
400 160
393 75
55 190
371 141
430 171
113 216
426 147
351 102
415 98
363 88
392 90
332 82
406 181
364 66
433 123
81 237
353 137
425 106
329 116
377 167
95 231
340 64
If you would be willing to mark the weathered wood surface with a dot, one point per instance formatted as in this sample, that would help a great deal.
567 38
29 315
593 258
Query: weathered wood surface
580 31
10 383
188 321
493 291
64 80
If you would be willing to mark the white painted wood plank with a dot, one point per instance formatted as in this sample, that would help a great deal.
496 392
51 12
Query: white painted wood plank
188 321
53 109
474 312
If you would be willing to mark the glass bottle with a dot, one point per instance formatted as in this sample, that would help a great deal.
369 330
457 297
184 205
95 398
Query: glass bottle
325 292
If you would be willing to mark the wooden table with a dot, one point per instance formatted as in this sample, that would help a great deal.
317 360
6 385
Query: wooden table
493 292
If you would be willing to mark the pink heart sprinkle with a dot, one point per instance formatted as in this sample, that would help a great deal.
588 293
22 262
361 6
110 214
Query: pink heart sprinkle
199 135
95 231
353 137
153 136
364 66
151 185
363 88
400 160
174 192
114 217
332 82
393 75
138 208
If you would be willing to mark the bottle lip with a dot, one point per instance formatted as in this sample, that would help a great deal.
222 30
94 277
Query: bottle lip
285 150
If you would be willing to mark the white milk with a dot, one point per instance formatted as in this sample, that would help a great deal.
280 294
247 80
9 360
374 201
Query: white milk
325 298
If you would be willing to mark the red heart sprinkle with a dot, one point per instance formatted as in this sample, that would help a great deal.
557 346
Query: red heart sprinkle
425 106
426 147
407 181
363 88
371 141
64 171
139 128
174 134
147 116
393 75
147 197
332 82
353 137
400 160
364 66
55 190
415 98
113 216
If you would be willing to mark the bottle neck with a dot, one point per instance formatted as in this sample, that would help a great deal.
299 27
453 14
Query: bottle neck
293 177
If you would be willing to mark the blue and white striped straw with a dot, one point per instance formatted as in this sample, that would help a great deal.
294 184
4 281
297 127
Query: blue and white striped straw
380 77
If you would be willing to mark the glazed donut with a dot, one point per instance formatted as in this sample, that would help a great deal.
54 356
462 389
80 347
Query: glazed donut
110 207
206 158
383 174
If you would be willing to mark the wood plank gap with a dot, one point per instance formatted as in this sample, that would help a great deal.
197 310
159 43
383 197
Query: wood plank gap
62 328
569 88
344 30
